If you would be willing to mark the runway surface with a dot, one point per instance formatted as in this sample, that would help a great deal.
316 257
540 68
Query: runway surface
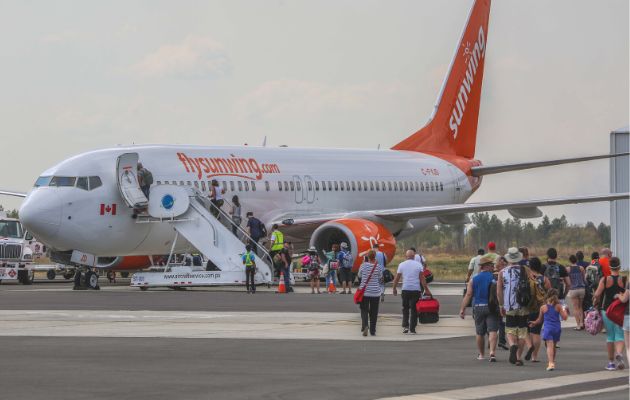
225 344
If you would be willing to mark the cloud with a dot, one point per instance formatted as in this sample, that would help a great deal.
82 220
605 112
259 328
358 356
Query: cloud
59 37
196 57
279 99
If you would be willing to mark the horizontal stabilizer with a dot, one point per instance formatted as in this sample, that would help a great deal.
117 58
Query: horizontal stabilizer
497 169
12 193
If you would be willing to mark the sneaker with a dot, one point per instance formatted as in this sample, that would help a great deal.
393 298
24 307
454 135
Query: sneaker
365 331
519 363
551 367
620 363
513 350
528 356
493 358
412 332
405 330
611 366
480 357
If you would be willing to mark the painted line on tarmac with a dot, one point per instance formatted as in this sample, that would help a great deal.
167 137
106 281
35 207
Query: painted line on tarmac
512 388
586 393
224 325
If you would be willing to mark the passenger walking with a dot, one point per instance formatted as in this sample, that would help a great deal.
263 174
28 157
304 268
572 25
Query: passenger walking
381 259
604 261
485 311
216 197
609 287
332 265
250 269
344 258
557 274
534 341
577 291
592 276
473 265
499 264
235 213
371 274
516 314
285 266
551 313
580 259
492 248
525 252
145 180
412 280
256 230
312 264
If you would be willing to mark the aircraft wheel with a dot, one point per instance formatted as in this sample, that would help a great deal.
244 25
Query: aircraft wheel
51 274
144 289
68 276
124 274
26 277
91 280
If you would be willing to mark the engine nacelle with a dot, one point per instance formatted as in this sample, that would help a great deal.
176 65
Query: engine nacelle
124 263
360 234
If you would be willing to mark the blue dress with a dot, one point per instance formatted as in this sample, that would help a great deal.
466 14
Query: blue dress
551 328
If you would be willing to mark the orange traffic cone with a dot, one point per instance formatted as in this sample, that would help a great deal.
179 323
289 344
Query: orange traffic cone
281 287
331 287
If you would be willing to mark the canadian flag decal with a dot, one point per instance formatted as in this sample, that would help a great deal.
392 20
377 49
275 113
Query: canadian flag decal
108 209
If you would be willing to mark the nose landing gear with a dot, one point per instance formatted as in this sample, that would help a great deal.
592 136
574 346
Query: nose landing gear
84 279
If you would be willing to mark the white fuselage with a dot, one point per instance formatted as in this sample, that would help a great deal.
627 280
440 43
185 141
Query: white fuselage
72 218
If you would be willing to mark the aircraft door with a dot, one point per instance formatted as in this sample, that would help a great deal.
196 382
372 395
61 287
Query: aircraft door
457 185
299 189
127 178
310 189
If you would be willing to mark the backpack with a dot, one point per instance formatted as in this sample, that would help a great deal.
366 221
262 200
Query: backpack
552 272
593 275
387 276
347 259
538 294
523 290
147 177
493 298
593 322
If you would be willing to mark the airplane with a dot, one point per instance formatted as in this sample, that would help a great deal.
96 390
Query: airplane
88 204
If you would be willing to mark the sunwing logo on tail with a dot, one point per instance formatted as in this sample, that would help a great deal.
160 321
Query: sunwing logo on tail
472 57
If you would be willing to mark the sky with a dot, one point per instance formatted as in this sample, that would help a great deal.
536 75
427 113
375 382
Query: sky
77 76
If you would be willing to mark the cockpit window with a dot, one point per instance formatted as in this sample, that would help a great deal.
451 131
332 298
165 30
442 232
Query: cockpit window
82 182
95 182
42 181
63 181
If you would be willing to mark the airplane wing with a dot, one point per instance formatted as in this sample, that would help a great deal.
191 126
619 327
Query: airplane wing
402 214
497 169
12 193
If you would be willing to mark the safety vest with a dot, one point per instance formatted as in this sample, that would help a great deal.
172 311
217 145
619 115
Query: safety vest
248 259
278 240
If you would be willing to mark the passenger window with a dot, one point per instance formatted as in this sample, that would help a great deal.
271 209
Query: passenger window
292 186
354 186
378 186
316 185
203 185
158 182
197 184
389 185
324 186
441 187
336 186
309 185
347 186
298 185
371 185
286 186
329 185
231 186
415 185
82 183
359 186
224 186
240 186
253 186
188 183
280 186
267 185
246 186
63 181
95 182
181 183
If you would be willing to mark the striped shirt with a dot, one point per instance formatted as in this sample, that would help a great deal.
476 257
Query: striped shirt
373 288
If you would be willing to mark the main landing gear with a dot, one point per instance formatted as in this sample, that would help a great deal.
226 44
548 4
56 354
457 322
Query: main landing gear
85 279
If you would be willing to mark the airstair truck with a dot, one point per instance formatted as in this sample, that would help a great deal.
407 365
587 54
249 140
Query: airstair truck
16 256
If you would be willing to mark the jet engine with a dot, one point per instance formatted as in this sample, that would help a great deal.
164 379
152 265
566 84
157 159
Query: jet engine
360 234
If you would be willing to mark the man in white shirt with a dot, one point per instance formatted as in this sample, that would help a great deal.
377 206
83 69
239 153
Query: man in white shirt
412 279
418 257
473 265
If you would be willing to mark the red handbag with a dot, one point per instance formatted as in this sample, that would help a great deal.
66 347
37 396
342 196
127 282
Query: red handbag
616 312
358 294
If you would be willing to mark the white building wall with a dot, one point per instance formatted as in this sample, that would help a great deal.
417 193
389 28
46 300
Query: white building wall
620 209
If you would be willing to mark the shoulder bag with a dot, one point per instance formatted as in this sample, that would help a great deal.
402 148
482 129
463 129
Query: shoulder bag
358 294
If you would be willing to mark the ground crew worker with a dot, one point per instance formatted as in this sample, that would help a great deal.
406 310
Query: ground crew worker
277 240
250 269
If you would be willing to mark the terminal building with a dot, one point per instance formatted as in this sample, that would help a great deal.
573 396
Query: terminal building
620 183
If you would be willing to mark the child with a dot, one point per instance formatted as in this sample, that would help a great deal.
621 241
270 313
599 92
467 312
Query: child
551 312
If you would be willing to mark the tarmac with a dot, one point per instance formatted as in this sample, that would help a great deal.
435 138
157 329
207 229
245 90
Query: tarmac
222 343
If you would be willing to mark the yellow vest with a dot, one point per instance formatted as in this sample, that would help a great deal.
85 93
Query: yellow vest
278 240
248 259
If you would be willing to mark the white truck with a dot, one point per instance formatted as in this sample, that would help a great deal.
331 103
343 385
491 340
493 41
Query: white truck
16 254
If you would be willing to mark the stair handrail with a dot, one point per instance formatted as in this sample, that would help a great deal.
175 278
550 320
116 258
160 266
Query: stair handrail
200 196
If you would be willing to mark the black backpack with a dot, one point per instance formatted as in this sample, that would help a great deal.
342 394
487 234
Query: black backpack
523 292
147 178
493 299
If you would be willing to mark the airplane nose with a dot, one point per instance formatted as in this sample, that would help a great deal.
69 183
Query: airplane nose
41 214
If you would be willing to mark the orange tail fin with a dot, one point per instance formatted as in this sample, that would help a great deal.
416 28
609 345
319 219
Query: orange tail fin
452 128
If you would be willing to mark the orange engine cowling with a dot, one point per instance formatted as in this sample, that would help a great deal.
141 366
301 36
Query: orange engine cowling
124 263
360 234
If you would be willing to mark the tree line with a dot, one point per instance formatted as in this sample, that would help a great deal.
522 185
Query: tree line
556 232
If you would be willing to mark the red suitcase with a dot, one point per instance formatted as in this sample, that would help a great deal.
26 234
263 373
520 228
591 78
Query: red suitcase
428 310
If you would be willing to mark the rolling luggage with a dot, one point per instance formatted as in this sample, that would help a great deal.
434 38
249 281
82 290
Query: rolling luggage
428 310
